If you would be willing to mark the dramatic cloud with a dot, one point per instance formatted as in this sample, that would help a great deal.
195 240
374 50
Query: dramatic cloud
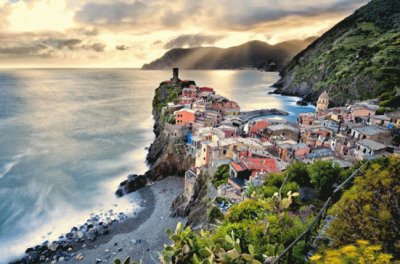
90 32
98 47
112 13
258 12
191 41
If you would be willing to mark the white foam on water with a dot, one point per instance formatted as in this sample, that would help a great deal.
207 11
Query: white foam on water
10 165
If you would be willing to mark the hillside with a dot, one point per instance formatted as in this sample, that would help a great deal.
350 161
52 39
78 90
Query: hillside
357 59
254 54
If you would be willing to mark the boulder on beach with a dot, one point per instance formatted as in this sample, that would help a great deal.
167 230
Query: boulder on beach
133 183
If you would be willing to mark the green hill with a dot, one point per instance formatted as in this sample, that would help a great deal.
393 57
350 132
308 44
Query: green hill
253 54
357 59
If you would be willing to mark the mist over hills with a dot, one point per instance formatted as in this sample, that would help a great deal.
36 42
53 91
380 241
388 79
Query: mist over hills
253 54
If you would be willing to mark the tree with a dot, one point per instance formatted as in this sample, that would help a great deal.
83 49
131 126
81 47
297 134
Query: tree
370 209
221 175
298 172
323 175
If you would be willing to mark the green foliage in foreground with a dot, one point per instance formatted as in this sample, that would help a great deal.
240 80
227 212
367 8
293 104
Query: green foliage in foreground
221 175
370 210
252 231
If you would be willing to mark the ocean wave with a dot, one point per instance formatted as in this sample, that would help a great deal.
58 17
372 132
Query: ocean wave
10 165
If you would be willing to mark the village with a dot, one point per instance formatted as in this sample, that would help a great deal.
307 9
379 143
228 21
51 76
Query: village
215 136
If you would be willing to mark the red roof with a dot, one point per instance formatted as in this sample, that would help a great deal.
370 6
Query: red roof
206 89
237 166
259 125
264 164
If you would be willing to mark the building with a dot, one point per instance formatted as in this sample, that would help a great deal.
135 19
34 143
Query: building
367 147
255 128
370 132
306 119
380 120
359 111
395 118
247 166
185 117
283 131
190 92
323 102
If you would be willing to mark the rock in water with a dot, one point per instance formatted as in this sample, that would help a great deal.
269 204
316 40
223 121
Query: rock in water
133 183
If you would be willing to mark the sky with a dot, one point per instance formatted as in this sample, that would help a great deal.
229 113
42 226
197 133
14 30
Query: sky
129 33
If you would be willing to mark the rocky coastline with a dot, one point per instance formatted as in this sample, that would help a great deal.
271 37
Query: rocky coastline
165 157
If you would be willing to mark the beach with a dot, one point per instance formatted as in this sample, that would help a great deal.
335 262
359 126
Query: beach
142 236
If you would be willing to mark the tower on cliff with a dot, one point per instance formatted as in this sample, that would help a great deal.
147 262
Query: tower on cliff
323 102
175 75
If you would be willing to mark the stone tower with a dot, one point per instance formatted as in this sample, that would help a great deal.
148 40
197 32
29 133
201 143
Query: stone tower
323 102
175 76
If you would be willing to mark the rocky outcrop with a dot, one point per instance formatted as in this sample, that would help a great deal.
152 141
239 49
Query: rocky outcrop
133 183
357 59
196 207
166 156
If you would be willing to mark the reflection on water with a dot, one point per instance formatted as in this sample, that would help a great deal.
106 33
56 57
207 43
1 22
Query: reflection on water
68 137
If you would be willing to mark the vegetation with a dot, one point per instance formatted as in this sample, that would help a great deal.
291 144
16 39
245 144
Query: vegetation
361 252
251 231
365 228
324 174
370 209
357 59
215 214
221 175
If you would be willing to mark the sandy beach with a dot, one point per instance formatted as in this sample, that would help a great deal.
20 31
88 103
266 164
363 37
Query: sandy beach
141 237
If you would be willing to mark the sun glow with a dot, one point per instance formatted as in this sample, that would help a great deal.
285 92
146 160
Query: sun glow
50 15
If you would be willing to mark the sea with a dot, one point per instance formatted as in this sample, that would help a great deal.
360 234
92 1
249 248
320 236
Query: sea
68 137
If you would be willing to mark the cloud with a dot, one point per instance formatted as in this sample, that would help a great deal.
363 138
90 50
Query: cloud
23 50
98 47
191 41
121 47
96 29
111 13
258 12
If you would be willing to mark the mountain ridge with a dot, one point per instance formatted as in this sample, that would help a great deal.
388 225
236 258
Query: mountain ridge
359 58
252 54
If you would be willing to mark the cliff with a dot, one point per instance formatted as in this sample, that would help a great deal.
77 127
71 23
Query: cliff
357 59
166 156
254 54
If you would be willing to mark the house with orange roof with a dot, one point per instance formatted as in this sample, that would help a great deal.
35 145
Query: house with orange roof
185 117
247 166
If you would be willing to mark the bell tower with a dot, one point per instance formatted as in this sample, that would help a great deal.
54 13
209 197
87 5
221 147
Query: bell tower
323 102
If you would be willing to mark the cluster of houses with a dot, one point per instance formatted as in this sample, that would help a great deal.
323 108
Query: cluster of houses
215 136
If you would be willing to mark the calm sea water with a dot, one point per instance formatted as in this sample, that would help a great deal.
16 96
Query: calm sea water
68 137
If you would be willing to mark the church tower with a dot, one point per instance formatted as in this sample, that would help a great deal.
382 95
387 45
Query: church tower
323 102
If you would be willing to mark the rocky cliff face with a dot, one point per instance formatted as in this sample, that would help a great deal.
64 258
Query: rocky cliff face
357 59
166 156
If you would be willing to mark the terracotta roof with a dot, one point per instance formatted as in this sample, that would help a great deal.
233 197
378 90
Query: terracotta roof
237 166
259 125
266 164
